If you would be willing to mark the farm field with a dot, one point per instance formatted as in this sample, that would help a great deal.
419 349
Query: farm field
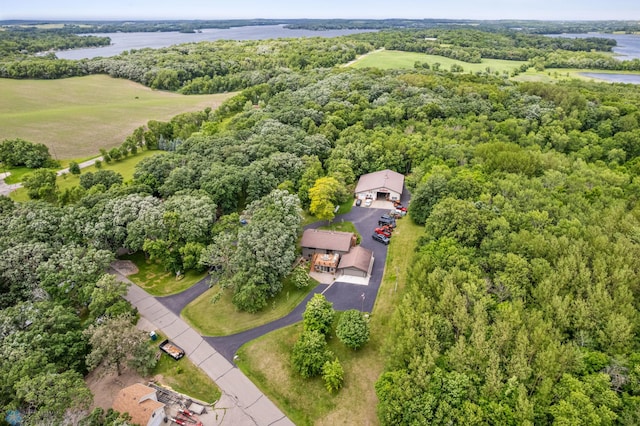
390 59
75 117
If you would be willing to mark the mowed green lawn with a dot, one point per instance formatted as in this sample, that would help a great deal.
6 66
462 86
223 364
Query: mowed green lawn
75 117
393 59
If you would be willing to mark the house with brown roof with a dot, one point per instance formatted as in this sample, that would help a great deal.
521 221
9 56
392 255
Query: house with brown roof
326 242
357 263
141 402
382 185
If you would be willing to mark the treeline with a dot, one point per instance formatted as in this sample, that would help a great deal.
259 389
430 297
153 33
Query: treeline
21 43
528 26
207 67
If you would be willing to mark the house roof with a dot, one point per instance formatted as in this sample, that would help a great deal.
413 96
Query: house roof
359 258
383 179
326 240
137 401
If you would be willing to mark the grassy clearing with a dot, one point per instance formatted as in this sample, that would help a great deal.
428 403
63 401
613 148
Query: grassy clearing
393 59
125 167
156 281
186 378
75 117
267 360
223 318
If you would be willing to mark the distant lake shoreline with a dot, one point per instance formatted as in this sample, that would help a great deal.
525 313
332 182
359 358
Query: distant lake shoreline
614 78
628 45
121 42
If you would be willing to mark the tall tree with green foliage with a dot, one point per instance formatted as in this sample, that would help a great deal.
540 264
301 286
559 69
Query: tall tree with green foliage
325 195
116 342
266 249
318 315
41 185
353 329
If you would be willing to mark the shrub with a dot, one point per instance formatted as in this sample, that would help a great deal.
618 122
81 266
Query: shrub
74 168
300 278
333 375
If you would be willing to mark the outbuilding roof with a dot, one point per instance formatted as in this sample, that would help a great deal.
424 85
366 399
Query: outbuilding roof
359 258
387 179
327 240
138 402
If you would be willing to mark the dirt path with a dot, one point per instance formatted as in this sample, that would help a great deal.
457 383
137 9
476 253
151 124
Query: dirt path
348 64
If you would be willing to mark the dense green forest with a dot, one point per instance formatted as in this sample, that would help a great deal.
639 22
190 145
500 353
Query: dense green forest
523 295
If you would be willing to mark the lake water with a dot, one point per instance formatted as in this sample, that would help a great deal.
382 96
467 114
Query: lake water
614 78
628 44
628 48
121 42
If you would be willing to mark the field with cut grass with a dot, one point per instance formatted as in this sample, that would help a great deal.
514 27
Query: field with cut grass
266 361
393 59
75 117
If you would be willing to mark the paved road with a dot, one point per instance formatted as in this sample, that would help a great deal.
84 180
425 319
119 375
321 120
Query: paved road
177 302
241 403
6 188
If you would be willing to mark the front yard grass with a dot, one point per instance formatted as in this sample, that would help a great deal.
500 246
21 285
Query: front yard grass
222 318
266 360
156 281
186 378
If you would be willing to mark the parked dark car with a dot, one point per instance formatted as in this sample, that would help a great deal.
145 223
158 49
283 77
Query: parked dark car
381 239
358 202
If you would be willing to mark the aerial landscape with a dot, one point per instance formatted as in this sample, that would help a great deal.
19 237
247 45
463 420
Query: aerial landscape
354 213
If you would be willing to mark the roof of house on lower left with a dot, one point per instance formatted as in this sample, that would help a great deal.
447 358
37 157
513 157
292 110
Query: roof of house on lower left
139 401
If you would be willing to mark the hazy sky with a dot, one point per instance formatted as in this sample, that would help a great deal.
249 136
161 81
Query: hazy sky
375 9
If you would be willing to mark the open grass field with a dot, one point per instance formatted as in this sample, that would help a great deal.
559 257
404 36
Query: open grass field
393 59
75 117
156 281
222 318
266 361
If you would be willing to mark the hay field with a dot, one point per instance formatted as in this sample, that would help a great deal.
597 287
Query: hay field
75 117
393 59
